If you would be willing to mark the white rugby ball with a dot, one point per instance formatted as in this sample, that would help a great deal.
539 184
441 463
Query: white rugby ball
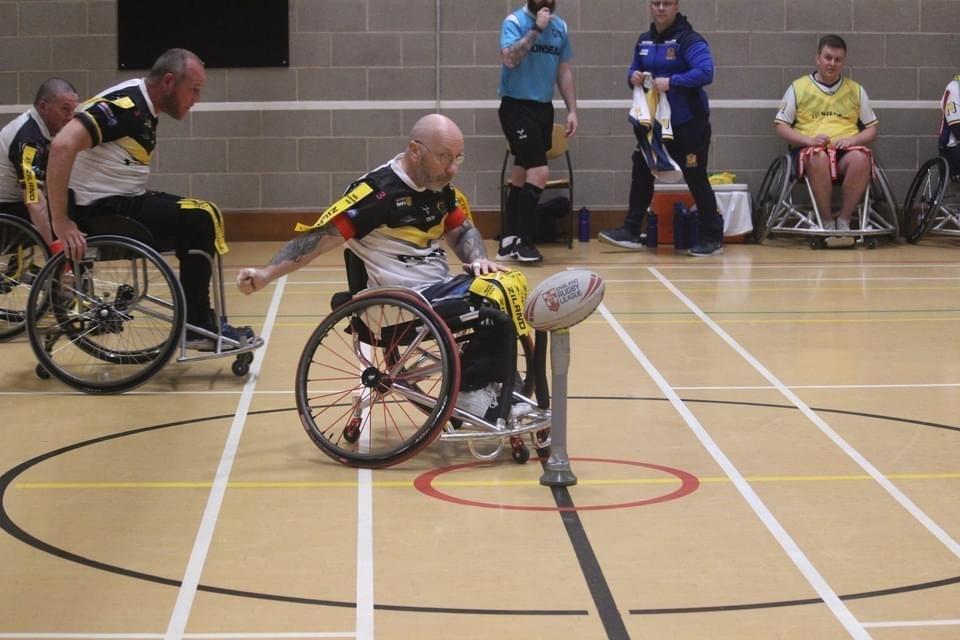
564 299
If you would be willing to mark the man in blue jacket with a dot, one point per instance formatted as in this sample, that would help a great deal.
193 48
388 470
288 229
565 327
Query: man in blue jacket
680 63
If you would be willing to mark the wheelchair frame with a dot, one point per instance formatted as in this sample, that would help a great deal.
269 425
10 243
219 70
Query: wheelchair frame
23 253
932 205
777 212
122 311
353 394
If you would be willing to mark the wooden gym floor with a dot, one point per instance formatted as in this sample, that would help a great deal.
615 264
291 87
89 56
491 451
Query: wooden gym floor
767 445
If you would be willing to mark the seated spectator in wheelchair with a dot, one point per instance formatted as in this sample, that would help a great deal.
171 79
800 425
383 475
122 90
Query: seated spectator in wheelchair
104 155
392 218
24 147
828 123
950 127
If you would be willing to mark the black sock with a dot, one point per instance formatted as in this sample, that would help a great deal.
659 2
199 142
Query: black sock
527 203
511 226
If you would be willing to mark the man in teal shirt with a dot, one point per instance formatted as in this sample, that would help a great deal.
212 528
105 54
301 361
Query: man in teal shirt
536 53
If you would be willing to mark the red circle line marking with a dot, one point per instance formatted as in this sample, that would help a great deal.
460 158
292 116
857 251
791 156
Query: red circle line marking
688 484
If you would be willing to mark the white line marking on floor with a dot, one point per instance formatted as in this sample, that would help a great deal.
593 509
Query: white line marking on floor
187 636
913 623
938 532
365 529
793 551
201 545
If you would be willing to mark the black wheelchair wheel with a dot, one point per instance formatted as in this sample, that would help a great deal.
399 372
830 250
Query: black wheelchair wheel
109 322
368 372
23 253
769 196
924 196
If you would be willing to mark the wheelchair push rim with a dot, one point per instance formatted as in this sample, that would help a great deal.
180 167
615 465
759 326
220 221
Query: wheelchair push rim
367 373
109 322
924 199
23 253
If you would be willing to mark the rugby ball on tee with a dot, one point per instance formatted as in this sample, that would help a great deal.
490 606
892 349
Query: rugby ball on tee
564 299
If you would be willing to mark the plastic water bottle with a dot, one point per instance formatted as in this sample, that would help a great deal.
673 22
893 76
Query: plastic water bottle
693 226
651 229
680 240
584 224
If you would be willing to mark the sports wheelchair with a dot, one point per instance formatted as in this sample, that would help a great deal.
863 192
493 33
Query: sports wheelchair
781 207
111 321
378 379
932 205
23 253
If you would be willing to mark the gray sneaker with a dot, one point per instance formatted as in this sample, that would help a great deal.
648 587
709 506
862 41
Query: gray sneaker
705 249
623 238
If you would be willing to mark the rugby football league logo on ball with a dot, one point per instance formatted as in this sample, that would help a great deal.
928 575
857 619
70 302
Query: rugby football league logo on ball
564 299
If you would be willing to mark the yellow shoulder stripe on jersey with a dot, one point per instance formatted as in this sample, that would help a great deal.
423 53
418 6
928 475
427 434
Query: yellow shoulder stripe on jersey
357 194
31 187
463 203
124 102
219 238
508 289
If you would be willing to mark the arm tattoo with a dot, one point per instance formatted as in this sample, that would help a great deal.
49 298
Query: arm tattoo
519 49
468 245
298 248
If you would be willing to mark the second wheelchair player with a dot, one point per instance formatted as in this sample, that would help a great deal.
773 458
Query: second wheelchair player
828 122
393 219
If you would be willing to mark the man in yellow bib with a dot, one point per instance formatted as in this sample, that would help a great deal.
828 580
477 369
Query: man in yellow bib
828 123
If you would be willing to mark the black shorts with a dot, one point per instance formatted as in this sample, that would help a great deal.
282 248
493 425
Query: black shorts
16 209
952 154
528 126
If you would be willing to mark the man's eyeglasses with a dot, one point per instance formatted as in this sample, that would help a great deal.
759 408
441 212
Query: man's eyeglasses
444 158
663 4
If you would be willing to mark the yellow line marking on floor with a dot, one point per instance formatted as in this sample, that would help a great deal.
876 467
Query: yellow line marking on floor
403 484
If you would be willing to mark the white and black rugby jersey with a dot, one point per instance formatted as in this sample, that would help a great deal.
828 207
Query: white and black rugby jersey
24 148
396 228
122 124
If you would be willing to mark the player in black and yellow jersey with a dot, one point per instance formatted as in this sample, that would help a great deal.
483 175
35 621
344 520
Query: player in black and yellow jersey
24 147
393 218
104 154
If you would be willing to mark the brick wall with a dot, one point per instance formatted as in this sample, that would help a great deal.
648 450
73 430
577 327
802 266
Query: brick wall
384 51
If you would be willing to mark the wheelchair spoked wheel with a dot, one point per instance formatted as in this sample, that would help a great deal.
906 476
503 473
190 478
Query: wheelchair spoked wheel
924 197
109 322
369 372
890 211
769 196
23 253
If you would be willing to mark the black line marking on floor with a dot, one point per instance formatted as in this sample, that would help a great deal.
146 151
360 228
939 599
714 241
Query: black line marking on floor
7 524
589 565
6 480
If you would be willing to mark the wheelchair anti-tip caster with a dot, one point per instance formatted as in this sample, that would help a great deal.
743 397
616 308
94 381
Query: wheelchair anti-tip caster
42 373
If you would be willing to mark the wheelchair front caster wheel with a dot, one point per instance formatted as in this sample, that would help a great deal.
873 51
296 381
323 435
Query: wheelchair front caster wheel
871 243
351 432
520 451
241 366
818 243
42 373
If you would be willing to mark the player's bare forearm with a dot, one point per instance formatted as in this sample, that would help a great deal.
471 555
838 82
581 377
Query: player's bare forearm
291 256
